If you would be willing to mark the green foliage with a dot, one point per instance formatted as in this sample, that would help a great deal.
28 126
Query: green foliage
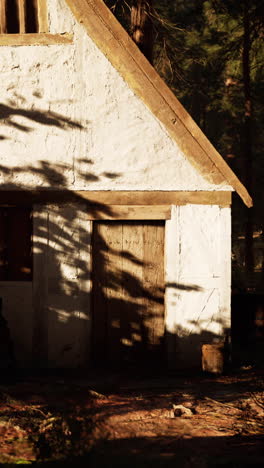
22 462
198 50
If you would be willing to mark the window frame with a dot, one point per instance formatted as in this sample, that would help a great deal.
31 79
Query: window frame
22 38
41 16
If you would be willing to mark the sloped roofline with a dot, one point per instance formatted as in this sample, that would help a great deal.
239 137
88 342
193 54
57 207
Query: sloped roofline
142 78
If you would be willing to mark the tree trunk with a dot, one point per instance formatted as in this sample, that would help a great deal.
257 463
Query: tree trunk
249 253
142 27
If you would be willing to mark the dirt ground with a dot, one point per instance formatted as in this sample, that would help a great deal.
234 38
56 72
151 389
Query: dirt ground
113 420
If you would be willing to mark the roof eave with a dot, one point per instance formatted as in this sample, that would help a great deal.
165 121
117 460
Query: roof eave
142 78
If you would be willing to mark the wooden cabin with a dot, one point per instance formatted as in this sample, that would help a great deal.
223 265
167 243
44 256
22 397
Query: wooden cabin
115 208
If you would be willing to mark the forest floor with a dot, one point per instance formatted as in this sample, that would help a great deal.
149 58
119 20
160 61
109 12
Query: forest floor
108 420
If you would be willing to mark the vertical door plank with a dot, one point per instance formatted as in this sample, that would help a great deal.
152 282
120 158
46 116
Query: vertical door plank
113 290
99 301
22 16
132 334
3 12
154 282
107 291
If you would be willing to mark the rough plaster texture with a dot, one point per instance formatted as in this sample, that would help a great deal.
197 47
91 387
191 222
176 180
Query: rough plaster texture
62 237
197 299
198 268
69 120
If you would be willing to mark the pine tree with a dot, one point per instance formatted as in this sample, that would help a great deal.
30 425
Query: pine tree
142 26
211 54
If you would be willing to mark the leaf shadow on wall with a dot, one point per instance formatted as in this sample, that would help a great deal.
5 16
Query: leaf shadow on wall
62 321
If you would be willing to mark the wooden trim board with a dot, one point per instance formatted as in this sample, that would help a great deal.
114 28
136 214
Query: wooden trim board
42 16
157 198
3 17
114 42
136 212
22 16
100 199
35 39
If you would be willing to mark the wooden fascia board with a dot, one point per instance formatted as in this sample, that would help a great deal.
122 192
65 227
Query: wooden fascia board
102 199
118 47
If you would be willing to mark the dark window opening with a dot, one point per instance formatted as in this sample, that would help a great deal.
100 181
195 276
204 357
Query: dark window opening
12 17
31 16
15 244
19 16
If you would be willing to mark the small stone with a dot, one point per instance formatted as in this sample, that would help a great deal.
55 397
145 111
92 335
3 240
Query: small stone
182 411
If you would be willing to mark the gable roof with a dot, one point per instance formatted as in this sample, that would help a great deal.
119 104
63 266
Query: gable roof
110 37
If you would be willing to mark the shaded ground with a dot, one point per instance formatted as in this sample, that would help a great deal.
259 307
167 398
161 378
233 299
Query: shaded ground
115 421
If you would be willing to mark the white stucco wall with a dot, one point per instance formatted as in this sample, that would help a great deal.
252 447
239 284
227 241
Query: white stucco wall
59 331
62 269
198 278
69 120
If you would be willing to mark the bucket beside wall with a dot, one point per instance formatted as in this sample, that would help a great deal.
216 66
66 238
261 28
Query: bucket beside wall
213 358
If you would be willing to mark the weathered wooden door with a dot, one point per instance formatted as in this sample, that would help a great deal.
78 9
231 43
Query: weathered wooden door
128 293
